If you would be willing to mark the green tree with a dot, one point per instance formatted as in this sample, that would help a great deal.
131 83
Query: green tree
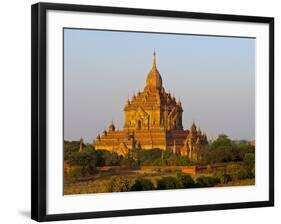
82 158
88 148
82 163
221 150
247 171
222 140
70 147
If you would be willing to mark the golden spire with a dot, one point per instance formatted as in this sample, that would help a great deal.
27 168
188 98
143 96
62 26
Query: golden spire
154 58
154 79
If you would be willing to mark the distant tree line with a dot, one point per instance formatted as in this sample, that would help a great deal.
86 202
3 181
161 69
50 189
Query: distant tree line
224 150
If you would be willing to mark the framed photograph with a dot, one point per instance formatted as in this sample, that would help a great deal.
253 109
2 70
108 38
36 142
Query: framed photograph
141 111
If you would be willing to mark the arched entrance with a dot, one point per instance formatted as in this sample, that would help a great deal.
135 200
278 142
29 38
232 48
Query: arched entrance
139 125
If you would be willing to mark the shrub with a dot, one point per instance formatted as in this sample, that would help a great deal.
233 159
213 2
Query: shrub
207 181
101 156
225 178
149 157
249 163
142 184
185 180
244 173
118 184
168 183
71 147
91 168
158 157
113 159
81 158
129 163
247 171
77 171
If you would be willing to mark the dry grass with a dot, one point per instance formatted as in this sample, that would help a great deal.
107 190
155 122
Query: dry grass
245 182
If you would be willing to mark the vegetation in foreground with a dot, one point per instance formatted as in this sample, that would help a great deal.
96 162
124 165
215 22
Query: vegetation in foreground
161 181
83 176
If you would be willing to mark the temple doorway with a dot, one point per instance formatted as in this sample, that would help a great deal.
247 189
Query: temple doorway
139 125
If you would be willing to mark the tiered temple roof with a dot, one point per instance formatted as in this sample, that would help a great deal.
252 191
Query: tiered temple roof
153 119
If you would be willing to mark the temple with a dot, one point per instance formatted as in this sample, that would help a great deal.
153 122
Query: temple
153 120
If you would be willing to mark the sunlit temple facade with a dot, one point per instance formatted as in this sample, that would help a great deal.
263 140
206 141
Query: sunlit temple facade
153 119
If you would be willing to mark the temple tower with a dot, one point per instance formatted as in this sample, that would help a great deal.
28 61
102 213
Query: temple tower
153 120
153 108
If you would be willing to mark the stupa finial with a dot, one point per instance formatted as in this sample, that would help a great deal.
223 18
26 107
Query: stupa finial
154 58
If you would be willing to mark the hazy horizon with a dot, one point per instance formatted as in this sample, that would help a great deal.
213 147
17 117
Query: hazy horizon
214 77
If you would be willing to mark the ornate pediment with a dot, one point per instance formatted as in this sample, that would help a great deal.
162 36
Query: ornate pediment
140 113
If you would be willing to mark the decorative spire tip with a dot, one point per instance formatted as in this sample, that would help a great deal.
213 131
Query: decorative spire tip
154 58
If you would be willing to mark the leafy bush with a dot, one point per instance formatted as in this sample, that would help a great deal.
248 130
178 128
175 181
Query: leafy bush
249 162
77 172
82 163
158 157
185 180
142 184
118 184
82 171
82 158
247 171
71 146
207 181
168 183
129 163
244 174
113 159
149 157
245 148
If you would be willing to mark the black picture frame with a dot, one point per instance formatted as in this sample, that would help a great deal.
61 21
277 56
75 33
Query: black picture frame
38 108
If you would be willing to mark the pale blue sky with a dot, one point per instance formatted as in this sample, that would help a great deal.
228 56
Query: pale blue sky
213 76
